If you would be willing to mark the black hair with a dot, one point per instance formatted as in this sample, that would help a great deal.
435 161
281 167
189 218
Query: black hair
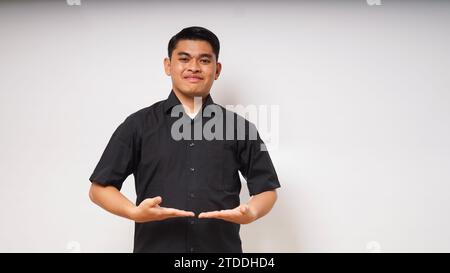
195 33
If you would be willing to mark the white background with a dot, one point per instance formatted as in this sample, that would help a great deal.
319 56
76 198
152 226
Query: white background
364 120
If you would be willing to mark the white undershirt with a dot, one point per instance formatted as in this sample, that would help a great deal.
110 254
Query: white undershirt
191 115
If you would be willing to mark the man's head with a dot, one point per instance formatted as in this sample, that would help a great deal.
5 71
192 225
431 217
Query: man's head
192 61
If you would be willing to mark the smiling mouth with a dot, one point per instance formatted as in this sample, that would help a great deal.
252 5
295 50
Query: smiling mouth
193 79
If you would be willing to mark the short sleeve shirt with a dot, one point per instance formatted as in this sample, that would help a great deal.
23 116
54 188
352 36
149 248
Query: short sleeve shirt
193 173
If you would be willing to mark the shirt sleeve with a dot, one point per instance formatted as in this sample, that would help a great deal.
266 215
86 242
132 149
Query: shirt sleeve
120 157
256 166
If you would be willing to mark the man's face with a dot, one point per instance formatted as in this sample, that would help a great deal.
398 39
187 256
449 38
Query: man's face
193 67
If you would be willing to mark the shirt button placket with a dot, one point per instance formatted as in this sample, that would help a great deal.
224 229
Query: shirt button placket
191 145
191 194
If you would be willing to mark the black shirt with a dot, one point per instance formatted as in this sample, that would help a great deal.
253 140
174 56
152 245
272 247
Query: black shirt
189 174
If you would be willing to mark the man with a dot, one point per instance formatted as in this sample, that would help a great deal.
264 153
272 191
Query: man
187 188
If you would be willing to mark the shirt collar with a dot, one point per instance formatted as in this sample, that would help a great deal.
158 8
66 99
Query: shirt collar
173 100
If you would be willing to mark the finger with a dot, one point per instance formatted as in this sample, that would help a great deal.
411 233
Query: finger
204 215
155 201
171 212
227 215
222 214
233 216
244 209
209 214
176 212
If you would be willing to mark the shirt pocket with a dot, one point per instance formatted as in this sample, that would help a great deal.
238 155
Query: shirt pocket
222 171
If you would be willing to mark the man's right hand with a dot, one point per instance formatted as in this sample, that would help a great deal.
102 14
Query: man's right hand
149 210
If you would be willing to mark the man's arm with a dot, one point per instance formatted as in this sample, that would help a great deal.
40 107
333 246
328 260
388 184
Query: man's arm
262 203
112 200
258 206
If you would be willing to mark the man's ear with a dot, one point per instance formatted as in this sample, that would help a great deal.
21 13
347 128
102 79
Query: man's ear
218 69
167 66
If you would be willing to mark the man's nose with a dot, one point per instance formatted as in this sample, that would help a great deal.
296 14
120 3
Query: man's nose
193 66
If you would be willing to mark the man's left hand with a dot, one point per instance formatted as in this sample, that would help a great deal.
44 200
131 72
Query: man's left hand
239 215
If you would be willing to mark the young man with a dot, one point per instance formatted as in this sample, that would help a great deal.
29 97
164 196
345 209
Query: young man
187 188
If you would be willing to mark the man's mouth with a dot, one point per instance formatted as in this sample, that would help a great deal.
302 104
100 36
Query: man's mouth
193 78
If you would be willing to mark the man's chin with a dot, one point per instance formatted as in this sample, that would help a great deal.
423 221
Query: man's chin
194 93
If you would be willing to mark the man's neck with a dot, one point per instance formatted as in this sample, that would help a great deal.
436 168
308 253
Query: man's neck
188 101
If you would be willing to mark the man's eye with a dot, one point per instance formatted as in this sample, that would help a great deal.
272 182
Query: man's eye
206 61
182 59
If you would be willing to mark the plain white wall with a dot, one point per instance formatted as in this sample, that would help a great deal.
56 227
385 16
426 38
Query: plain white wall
364 103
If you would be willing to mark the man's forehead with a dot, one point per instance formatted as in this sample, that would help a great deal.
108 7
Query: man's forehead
193 48
183 53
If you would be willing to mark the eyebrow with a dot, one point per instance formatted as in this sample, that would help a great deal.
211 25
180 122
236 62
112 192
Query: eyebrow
201 55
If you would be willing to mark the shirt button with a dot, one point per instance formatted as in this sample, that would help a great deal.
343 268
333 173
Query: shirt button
191 144
192 195
192 169
192 222
191 249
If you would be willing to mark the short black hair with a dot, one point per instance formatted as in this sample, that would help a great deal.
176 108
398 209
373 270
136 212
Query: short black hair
195 33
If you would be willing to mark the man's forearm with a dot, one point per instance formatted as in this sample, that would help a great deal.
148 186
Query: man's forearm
262 203
112 200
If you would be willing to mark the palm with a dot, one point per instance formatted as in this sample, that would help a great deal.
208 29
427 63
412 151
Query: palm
239 215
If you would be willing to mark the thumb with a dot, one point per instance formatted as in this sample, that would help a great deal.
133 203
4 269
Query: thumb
244 209
154 201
